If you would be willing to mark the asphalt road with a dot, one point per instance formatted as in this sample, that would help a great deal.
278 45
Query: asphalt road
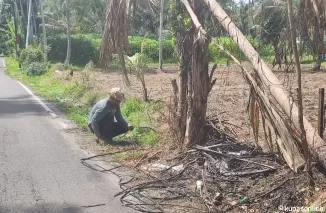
40 170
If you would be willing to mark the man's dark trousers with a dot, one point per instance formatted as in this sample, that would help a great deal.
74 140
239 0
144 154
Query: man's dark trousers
109 128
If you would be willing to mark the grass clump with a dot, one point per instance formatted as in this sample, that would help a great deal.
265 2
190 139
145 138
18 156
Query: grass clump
139 114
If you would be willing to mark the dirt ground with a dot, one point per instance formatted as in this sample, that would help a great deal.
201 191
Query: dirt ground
229 97
228 100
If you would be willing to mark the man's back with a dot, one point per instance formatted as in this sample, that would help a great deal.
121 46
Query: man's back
100 105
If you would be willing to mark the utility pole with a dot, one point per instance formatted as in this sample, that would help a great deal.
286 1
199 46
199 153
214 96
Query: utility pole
161 35
28 21
44 32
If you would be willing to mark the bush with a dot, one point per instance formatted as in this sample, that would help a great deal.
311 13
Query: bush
132 106
216 55
36 69
90 98
151 48
85 48
138 113
31 54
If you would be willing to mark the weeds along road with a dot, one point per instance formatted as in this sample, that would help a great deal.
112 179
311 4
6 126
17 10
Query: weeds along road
40 170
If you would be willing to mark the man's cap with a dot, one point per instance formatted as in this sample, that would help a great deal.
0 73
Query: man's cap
117 93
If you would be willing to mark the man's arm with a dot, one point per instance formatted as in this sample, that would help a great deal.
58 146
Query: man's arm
120 119
95 119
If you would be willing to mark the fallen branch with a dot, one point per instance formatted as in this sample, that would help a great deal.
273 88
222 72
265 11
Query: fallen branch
261 164
146 157
105 154
91 206
270 191
164 204
246 173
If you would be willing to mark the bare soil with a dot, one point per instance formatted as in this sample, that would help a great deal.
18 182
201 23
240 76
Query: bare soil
228 101
229 97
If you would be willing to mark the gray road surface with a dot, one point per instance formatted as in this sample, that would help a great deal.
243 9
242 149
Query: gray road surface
40 170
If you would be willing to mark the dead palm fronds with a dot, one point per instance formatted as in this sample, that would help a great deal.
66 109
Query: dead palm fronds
115 36
277 129
116 30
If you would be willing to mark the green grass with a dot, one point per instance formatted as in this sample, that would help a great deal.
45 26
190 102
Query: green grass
51 88
125 156
76 100
139 114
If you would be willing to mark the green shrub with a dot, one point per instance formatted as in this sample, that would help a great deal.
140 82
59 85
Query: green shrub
84 49
87 47
90 98
138 114
216 55
35 69
31 54
132 106
151 48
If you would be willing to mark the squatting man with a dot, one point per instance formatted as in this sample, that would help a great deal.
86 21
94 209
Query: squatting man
105 119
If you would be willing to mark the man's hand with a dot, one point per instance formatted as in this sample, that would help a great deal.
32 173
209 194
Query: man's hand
130 127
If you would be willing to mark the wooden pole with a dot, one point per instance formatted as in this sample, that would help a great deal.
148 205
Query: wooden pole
321 112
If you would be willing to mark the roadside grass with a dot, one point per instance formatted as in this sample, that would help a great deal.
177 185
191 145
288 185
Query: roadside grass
53 89
76 100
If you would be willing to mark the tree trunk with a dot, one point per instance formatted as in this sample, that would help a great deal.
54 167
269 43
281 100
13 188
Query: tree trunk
34 12
16 28
22 13
298 69
28 22
198 85
318 43
161 35
67 61
44 33
184 42
269 80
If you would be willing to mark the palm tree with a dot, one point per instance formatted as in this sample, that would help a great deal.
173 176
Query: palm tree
271 20
58 13
312 22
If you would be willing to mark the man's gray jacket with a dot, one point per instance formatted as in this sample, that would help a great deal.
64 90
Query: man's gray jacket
100 110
